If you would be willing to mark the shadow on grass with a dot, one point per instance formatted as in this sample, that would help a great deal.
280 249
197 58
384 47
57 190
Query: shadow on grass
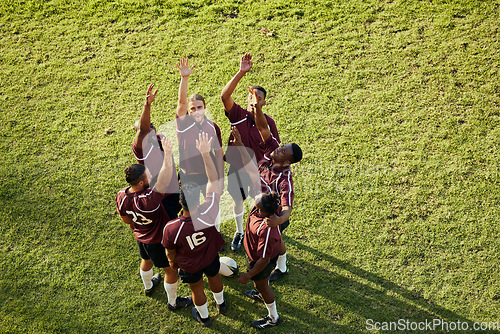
344 300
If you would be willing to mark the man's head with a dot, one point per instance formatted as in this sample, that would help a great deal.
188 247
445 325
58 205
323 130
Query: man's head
196 107
287 154
137 176
261 97
267 204
189 196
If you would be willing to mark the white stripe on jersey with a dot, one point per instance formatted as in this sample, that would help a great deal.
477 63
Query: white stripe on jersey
135 203
178 232
277 180
265 183
204 222
260 226
267 240
211 204
244 119
123 200
165 227
189 127
290 191
147 155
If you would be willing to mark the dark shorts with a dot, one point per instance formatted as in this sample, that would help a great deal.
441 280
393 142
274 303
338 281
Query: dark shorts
284 225
200 179
266 272
153 252
211 270
172 205
239 184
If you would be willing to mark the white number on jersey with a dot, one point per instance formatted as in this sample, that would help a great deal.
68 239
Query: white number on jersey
196 239
138 218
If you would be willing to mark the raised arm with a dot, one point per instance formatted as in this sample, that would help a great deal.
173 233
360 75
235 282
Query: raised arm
204 145
185 71
260 119
145 120
227 91
250 165
165 174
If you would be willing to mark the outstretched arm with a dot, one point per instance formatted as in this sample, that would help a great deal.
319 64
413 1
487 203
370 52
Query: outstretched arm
165 174
260 119
204 145
185 71
145 120
250 165
227 91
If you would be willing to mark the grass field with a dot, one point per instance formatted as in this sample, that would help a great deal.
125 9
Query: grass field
396 105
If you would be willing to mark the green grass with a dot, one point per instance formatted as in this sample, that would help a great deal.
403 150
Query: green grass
396 105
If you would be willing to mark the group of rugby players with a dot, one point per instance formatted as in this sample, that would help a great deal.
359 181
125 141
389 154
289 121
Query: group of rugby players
187 245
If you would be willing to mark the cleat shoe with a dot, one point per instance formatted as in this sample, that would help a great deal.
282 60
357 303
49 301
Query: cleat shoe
254 294
237 241
265 322
155 280
277 274
196 315
222 308
181 302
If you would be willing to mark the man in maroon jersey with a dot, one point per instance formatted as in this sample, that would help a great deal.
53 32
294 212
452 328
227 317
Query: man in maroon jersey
191 121
141 208
239 183
193 242
262 245
148 151
276 175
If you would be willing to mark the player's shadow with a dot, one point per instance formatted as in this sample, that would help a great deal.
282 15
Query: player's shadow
350 292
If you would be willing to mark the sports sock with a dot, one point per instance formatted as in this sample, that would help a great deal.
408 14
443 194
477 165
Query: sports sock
146 278
219 297
171 290
281 263
203 310
238 217
271 308
217 222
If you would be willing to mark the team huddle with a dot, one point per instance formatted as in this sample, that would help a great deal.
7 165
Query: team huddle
180 233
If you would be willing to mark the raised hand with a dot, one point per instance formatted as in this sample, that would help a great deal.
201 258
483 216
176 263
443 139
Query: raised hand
167 146
150 97
236 141
184 68
246 63
203 144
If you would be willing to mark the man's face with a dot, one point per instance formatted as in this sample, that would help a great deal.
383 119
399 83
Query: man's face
282 154
197 110
261 101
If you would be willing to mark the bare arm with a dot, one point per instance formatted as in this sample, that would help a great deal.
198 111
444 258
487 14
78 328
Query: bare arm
219 158
276 220
171 256
204 145
260 119
165 174
127 220
250 165
257 268
145 120
185 71
227 91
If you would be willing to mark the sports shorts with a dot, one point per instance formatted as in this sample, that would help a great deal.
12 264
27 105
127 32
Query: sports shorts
239 184
153 252
211 270
266 272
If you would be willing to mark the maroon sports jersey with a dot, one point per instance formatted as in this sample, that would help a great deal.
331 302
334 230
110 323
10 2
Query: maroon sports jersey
151 156
261 241
147 213
190 159
195 239
250 136
279 180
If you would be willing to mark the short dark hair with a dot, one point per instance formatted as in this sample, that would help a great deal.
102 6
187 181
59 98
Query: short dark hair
268 202
197 97
189 196
297 153
135 173
261 89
